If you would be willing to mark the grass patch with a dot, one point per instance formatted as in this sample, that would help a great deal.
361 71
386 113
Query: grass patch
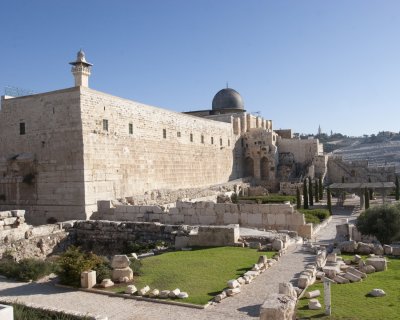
22 312
349 301
315 216
202 273
26 269
271 198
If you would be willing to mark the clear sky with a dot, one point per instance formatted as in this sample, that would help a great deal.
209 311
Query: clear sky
300 63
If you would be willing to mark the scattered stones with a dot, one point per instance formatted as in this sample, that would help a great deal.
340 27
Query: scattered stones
164 294
377 293
220 297
233 284
182 295
314 304
341 280
174 293
241 280
232 292
356 272
131 289
365 248
313 294
154 293
106 283
348 246
351 277
368 269
144 291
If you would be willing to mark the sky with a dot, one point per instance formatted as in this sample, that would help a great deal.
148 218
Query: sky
300 63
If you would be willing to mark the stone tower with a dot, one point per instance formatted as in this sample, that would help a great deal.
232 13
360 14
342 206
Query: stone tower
81 70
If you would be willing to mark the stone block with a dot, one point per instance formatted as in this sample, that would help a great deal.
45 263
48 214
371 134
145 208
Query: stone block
174 293
18 213
377 293
6 312
233 284
303 281
154 293
220 297
356 272
117 274
396 251
130 289
88 279
144 291
351 277
232 292
278 307
164 294
120 262
287 289
106 283
277 245
341 280
380 264
313 294
387 249
314 304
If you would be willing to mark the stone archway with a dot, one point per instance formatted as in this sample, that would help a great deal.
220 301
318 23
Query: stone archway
264 168
248 167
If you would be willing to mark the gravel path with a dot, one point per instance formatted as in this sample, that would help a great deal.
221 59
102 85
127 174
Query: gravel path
242 306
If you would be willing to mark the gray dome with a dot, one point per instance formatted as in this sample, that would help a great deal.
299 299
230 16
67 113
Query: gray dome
227 99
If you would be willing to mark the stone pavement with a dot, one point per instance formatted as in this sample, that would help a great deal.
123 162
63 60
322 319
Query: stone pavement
242 306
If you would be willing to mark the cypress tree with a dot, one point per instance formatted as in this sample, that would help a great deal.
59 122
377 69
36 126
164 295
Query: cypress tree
298 198
305 194
321 189
329 199
310 192
371 191
366 196
397 189
316 191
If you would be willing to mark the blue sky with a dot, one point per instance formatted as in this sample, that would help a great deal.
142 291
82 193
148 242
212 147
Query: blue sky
300 63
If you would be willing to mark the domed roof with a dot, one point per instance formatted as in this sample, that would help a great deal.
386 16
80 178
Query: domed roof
227 99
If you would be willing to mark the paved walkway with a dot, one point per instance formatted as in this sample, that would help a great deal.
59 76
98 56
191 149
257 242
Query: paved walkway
242 306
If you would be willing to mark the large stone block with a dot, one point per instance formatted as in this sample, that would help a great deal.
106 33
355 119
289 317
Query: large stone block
118 274
380 264
278 307
120 262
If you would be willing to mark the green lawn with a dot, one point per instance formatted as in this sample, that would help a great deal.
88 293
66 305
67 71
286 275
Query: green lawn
202 273
349 301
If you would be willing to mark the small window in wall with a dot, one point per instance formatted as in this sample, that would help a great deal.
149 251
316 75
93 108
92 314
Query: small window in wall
191 137
202 139
130 128
229 142
22 128
220 142
105 124
164 133
178 134
212 140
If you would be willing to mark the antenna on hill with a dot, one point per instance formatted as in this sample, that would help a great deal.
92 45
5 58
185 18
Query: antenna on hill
227 85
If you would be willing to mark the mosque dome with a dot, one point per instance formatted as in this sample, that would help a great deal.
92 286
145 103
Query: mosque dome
227 99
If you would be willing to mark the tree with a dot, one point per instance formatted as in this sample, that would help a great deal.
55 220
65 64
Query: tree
298 198
329 200
310 192
321 189
305 194
316 191
371 191
366 196
397 189
383 222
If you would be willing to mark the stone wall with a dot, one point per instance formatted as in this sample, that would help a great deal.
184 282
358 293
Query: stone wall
147 148
304 151
268 216
42 170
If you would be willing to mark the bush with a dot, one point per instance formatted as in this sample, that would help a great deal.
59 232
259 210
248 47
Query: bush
383 222
103 269
272 198
136 266
315 216
73 262
26 269
25 312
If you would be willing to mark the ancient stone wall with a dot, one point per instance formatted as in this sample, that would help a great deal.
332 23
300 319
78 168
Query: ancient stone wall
130 148
304 151
41 155
268 216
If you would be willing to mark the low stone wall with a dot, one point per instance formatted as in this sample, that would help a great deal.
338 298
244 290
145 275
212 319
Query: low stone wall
268 216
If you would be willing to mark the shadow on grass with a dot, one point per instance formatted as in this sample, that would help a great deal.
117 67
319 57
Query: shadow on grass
213 294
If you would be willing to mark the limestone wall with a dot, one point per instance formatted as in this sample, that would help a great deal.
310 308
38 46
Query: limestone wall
268 216
42 170
303 150
164 149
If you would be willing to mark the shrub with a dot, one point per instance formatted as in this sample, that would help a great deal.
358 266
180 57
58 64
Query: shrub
73 262
383 222
103 269
26 269
136 266
315 216
272 198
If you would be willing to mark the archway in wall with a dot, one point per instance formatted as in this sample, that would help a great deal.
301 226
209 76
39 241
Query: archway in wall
248 167
264 168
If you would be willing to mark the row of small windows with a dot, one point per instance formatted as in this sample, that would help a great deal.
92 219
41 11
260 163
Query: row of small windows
178 134
164 133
